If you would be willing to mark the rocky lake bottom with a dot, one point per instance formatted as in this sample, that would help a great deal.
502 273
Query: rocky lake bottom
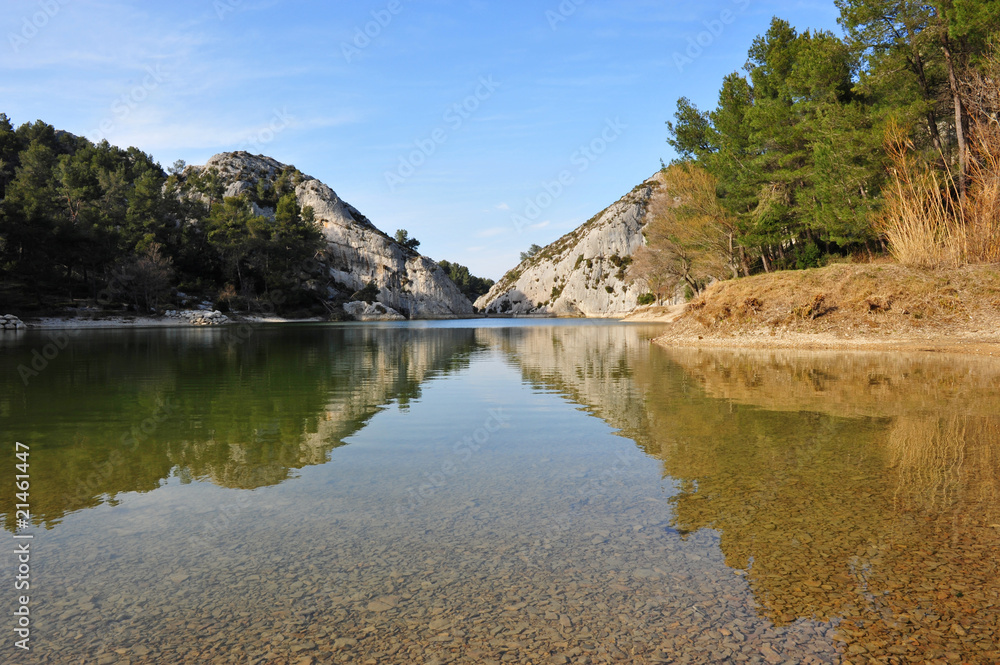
500 492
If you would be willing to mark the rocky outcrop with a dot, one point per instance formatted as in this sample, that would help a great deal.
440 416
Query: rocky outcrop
357 252
365 311
584 272
10 322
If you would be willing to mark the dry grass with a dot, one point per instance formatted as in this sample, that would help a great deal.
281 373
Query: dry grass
982 209
924 222
851 300
918 220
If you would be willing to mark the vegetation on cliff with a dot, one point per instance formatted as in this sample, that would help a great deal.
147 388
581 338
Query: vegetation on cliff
84 222
883 141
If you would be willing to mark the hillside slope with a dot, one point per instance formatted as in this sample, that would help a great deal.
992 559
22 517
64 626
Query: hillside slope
357 251
583 272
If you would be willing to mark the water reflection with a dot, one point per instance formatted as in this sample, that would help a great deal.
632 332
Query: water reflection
863 488
122 411
803 507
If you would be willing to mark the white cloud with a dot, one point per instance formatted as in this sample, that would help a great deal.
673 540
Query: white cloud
492 232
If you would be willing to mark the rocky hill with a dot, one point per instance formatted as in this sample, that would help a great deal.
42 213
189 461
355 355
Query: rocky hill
583 272
357 252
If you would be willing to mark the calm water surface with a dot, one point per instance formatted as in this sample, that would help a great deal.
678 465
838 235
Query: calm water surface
498 491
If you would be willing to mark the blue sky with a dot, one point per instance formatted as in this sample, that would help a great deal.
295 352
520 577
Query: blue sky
453 119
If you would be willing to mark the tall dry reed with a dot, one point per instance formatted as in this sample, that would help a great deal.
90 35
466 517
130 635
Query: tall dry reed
982 207
924 221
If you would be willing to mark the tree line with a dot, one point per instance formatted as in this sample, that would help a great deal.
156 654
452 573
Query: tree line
79 219
793 165
84 223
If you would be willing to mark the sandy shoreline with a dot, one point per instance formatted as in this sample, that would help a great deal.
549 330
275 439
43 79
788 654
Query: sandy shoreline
863 307
966 342
814 342
679 331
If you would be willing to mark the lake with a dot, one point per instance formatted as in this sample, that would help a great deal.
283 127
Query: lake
496 491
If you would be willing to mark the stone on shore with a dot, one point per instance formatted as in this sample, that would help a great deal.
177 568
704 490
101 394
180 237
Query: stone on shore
11 322
363 311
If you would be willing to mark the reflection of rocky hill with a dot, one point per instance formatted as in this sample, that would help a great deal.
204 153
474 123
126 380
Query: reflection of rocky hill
739 468
859 489
863 490
590 365
130 413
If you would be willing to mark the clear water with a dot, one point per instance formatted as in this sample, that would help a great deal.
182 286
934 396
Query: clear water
497 491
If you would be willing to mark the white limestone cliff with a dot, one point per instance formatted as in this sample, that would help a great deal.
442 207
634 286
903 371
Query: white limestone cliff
584 272
357 252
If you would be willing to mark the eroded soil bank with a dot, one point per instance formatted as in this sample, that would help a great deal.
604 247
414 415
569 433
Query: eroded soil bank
885 307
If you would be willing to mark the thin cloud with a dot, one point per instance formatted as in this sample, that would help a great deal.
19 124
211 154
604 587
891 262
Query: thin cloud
492 232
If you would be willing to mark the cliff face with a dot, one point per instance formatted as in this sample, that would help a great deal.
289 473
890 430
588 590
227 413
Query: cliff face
582 273
357 252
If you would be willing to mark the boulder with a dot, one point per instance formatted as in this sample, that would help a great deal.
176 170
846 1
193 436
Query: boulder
208 318
375 311
9 322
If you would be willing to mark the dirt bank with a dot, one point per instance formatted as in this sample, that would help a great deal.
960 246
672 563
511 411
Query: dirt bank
846 306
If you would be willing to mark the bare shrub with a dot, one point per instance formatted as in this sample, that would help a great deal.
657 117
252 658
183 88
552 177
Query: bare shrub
143 280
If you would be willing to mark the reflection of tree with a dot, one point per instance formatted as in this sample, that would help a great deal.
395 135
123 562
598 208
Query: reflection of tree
886 464
858 489
943 412
136 408
943 463
776 486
